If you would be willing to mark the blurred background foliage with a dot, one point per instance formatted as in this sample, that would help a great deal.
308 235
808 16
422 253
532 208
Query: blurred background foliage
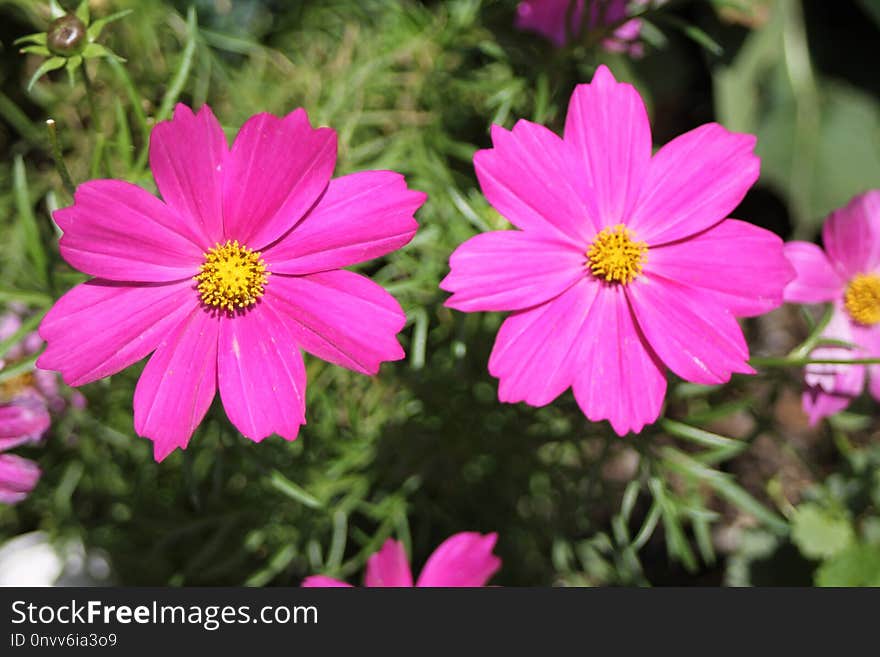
731 487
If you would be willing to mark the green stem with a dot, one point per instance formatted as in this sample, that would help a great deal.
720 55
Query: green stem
787 361
90 95
58 158
803 350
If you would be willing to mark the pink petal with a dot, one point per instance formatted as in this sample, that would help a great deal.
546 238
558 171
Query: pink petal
178 384
101 327
607 125
818 404
361 216
118 231
389 567
275 172
321 581
816 281
18 477
618 378
693 335
23 420
261 373
531 177
535 352
825 375
848 383
463 559
511 270
874 381
694 182
186 157
341 317
852 236
743 265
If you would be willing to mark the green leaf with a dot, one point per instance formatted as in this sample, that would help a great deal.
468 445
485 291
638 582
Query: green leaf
722 484
82 12
183 67
281 483
818 139
42 51
30 229
98 26
820 533
49 65
95 50
857 565
56 10
38 38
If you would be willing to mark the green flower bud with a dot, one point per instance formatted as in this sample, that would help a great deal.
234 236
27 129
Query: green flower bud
66 36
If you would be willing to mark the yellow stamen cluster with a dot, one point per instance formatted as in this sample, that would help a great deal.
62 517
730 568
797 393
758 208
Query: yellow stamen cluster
616 256
10 388
232 276
862 298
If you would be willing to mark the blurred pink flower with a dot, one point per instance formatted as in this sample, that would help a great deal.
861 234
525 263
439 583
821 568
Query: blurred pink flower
227 277
18 477
548 18
624 264
463 559
847 274
22 420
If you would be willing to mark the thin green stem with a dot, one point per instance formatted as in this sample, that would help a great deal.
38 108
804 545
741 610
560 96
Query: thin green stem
90 95
787 361
58 158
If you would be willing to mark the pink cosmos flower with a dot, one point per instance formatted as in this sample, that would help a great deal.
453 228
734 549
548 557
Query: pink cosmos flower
624 263
227 277
847 274
463 559
22 421
548 18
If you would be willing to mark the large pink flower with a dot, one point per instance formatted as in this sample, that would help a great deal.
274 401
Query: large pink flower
847 274
624 264
548 18
463 559
226 278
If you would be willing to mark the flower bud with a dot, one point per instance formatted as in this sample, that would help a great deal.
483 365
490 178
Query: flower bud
66 36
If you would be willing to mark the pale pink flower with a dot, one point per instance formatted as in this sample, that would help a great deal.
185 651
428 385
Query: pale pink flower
229 275
548 18
463 559
624 264
846 274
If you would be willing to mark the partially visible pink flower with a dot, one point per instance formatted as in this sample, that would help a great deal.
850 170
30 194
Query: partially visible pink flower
548 18
18 477
463 559
624 263
847 274
22 421
230 275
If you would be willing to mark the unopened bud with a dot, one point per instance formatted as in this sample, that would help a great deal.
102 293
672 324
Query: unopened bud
66 36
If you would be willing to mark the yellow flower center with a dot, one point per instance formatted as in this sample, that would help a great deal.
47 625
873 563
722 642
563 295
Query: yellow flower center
862 298
616 256
232 276
10 388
